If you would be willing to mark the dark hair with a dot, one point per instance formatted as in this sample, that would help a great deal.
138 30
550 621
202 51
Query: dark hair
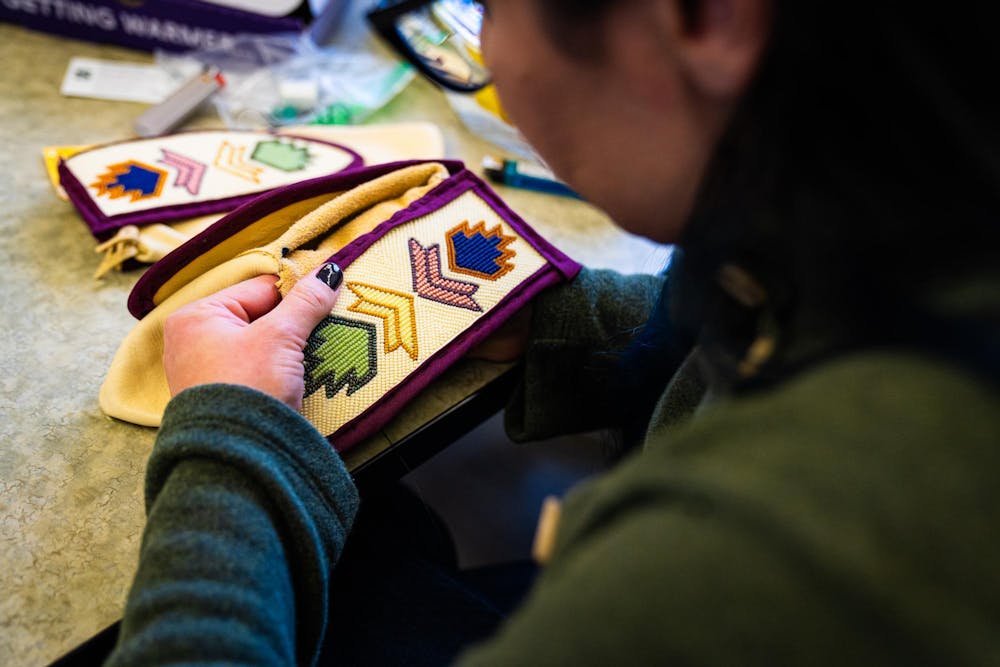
858 184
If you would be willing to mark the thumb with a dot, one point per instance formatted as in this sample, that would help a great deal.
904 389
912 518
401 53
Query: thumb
309 301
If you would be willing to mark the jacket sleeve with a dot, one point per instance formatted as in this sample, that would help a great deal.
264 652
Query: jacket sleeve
248 510
703 594
571 381
672 581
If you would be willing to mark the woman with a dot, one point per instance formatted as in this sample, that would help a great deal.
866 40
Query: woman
814 389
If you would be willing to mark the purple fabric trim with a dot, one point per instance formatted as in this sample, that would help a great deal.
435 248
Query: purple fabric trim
566 266
225 21
379 413
102 226
460 183
140 300
432 201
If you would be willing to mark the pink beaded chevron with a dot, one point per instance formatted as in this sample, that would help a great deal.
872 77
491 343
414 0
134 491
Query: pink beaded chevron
428 282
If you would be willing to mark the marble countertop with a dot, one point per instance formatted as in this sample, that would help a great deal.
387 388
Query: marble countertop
71 509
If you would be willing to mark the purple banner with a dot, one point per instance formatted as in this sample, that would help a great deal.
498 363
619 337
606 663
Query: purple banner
172 25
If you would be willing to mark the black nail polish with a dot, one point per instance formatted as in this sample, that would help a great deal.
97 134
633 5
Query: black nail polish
331 274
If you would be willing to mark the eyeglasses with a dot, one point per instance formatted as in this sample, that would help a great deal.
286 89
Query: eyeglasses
440 38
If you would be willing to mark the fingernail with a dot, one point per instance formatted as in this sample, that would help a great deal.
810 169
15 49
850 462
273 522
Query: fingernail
330 274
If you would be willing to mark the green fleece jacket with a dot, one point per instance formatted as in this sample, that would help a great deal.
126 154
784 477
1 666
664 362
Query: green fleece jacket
845 516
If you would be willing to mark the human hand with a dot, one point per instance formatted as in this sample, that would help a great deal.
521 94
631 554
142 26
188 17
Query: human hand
248 335
508 342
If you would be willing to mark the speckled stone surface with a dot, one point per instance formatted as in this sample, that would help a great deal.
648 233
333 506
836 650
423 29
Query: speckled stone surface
71 509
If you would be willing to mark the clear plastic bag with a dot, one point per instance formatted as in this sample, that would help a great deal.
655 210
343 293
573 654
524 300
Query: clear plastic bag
285 79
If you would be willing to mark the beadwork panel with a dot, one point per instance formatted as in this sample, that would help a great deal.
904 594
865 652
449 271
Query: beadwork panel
194 167
405 299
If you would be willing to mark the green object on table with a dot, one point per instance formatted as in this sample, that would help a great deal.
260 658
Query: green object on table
367 100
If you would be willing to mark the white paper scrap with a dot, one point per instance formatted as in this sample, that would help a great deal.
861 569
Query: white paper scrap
122 81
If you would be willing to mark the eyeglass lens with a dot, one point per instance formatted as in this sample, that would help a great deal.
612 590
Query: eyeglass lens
444 35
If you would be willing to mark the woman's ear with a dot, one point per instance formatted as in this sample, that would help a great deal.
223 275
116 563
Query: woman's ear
709 47
720 43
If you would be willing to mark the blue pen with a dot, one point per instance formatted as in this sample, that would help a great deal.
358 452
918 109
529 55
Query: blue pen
528 177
